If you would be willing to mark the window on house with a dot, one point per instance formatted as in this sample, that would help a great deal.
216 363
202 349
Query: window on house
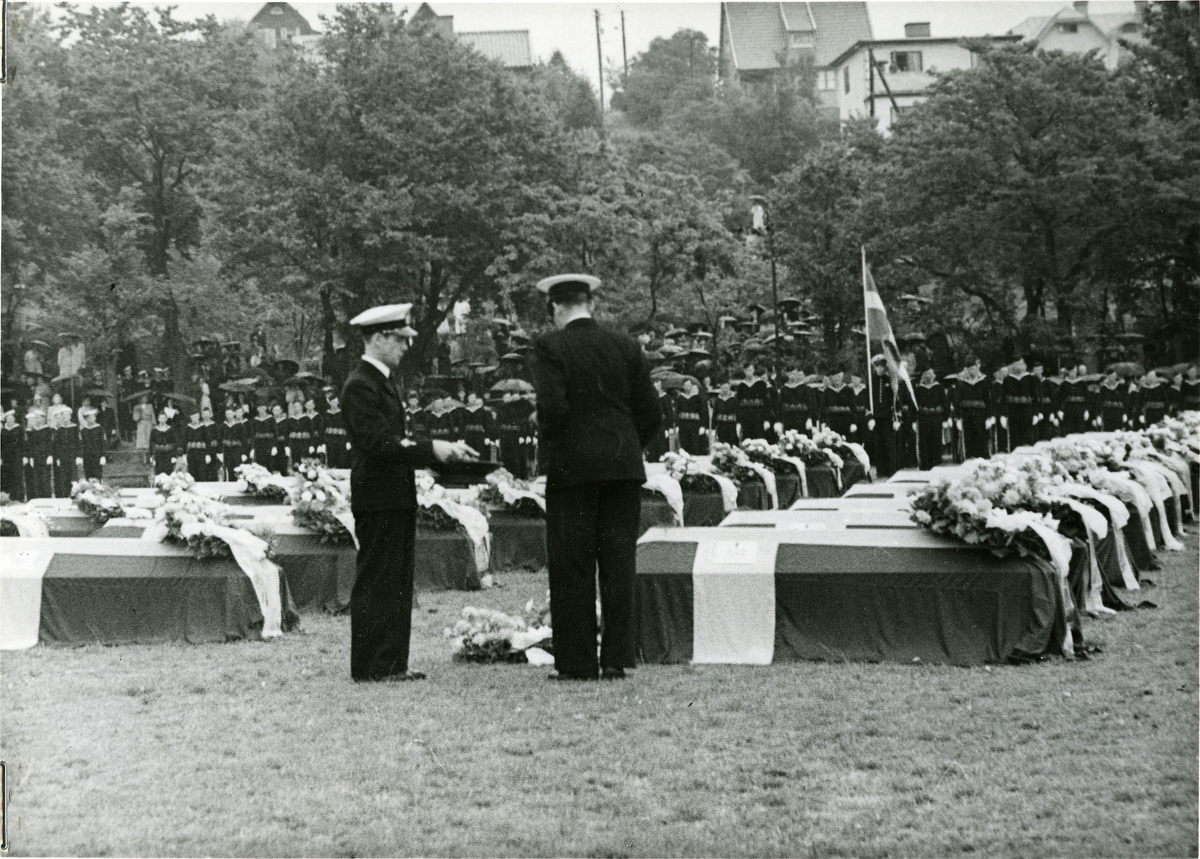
827 80
1068 27
905 61
1129 28
846 78
275 10
917 31
800 40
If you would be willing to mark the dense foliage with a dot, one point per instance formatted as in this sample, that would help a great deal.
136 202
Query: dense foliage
165 180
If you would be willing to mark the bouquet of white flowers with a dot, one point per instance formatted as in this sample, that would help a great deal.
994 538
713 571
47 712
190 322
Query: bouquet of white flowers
263 483
486 635
98 500
692 474
320 503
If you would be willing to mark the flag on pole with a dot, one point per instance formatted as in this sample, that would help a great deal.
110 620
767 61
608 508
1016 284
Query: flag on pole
880 339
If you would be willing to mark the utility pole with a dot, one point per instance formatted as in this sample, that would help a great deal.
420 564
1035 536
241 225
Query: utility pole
599 62
624 52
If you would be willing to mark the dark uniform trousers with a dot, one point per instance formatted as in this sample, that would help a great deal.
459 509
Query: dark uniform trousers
381 602
584 523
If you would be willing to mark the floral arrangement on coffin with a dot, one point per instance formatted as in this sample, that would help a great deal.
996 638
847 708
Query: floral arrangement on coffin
1176 435
961 508
806 448
995 504
177 481
486 635
190 518
264 483
1071 459
503 491
769 455
96 499
692 474
320 502
733 463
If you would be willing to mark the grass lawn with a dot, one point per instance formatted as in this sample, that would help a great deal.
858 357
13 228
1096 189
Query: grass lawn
254 748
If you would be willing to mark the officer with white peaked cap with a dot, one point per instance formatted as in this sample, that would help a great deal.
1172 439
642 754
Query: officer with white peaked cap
383 496
596 409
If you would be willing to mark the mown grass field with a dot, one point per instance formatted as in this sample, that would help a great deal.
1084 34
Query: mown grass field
268 749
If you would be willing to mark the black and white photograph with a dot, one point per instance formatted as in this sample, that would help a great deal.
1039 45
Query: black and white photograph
649 429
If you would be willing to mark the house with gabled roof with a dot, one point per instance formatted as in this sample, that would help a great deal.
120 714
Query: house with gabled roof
760 40
278 22
1076 30
510 48
883 78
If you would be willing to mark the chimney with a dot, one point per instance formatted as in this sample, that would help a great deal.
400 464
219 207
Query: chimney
1081 7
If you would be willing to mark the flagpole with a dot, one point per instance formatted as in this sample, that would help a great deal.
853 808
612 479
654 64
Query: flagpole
867 334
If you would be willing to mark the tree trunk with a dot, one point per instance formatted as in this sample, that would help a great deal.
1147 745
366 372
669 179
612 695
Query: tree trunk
173 345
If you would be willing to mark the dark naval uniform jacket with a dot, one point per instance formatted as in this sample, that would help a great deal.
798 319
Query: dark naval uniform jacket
381 458
597 408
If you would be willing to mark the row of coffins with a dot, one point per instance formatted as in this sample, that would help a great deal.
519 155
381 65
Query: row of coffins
868 577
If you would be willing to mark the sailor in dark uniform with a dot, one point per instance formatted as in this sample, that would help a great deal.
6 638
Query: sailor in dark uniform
91 444
973 410
1112 405
68 455
597 411
1074 401
999 412
691 415
12 457
233 448
164 445
661 443
796 410
837 411
479 427
1021 405
383 498
39 453
725 415
279 452
754 411
933 418
512 417
1152 402
882 422
336 442
416 418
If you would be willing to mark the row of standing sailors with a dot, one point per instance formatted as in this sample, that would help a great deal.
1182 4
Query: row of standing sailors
212 452
40 461
506 434
972 416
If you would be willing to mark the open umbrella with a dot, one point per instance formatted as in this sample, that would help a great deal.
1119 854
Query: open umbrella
511 356
137 395
176 397
516 386
286 367
676 332
42 344
1127 369
239 386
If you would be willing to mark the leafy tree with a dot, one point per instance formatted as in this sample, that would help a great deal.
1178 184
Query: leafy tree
667 75
1026 173
569 94
389 171
1167 64
766 127
48 208
144 102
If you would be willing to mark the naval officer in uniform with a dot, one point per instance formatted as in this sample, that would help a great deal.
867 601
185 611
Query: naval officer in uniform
597 411
383 497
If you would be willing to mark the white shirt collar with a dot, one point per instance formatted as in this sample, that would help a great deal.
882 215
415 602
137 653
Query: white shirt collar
382 367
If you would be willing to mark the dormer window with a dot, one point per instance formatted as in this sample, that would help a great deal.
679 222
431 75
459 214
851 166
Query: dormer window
275 10
1068 27
798 39
917 31
1129 27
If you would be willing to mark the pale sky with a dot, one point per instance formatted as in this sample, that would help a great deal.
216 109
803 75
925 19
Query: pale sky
571 28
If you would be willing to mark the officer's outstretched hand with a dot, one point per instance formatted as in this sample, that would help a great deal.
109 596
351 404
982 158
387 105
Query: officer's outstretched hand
453 451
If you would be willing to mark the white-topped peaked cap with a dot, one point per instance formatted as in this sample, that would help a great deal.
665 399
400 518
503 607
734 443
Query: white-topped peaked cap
386 317
587 281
